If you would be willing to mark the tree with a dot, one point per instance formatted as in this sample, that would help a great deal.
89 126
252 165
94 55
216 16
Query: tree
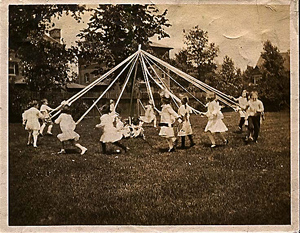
275 84
248 76
47 68
45 64
115 31
181 62
230 80
200 53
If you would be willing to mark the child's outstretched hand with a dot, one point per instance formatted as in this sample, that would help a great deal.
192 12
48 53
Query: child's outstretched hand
98 126
202 114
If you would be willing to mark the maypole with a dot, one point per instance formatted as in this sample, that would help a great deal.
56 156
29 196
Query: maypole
203 86
132 92
146 61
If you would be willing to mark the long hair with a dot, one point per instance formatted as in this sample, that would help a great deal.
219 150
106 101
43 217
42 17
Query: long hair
32 103
166 100
43 101
105 109
210 96
66 109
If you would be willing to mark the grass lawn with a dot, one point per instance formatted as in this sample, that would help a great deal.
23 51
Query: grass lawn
233 184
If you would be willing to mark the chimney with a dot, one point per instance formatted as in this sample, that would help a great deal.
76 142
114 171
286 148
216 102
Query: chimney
55 34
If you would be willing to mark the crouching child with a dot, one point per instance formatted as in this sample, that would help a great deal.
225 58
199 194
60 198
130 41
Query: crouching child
67 126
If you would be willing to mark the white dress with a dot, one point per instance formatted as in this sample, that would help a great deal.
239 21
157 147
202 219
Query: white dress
168 116
31 117
149 114
45 109
215 116
254 107
110 133
186 129
67 126
242 104
137 130
124 129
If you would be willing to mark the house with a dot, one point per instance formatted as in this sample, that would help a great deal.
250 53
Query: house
286 63
257 73
15 72
87 74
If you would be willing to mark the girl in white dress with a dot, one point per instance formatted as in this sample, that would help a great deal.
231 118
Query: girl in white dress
242 102
67 126
215 123
149 114
121 128
110 132
186 129
45 109
137 128
167 118
112 107
31 121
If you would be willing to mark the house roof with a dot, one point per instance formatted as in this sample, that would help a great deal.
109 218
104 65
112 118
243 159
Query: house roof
286 63
74 86
51 39
80 86
157 45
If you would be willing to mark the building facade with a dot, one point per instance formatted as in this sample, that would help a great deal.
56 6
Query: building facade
15 71
87 74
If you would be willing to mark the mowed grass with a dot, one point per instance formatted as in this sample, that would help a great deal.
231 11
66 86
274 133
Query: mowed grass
233 184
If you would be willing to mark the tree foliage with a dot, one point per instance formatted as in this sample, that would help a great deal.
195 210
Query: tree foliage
201 53
115 31
275 83
45 64
181 62
230 78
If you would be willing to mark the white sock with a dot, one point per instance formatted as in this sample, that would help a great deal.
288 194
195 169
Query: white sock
170 143
29 138
35 140
49 129
42 128
80 146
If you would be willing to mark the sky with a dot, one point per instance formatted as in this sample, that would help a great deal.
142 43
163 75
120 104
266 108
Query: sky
238 30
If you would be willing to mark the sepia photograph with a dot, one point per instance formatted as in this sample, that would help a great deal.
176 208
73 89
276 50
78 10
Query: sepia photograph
149 116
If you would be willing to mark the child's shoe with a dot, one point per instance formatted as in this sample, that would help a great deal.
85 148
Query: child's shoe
225 142
175 143
171 149
62 151
84 149
213 145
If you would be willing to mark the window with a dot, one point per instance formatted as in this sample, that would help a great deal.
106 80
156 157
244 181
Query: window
13 68
87 78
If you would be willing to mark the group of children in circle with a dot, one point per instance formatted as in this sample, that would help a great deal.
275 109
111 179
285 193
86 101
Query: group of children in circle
113 129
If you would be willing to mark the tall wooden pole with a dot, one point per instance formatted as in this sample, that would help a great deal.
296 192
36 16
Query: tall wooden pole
132 91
